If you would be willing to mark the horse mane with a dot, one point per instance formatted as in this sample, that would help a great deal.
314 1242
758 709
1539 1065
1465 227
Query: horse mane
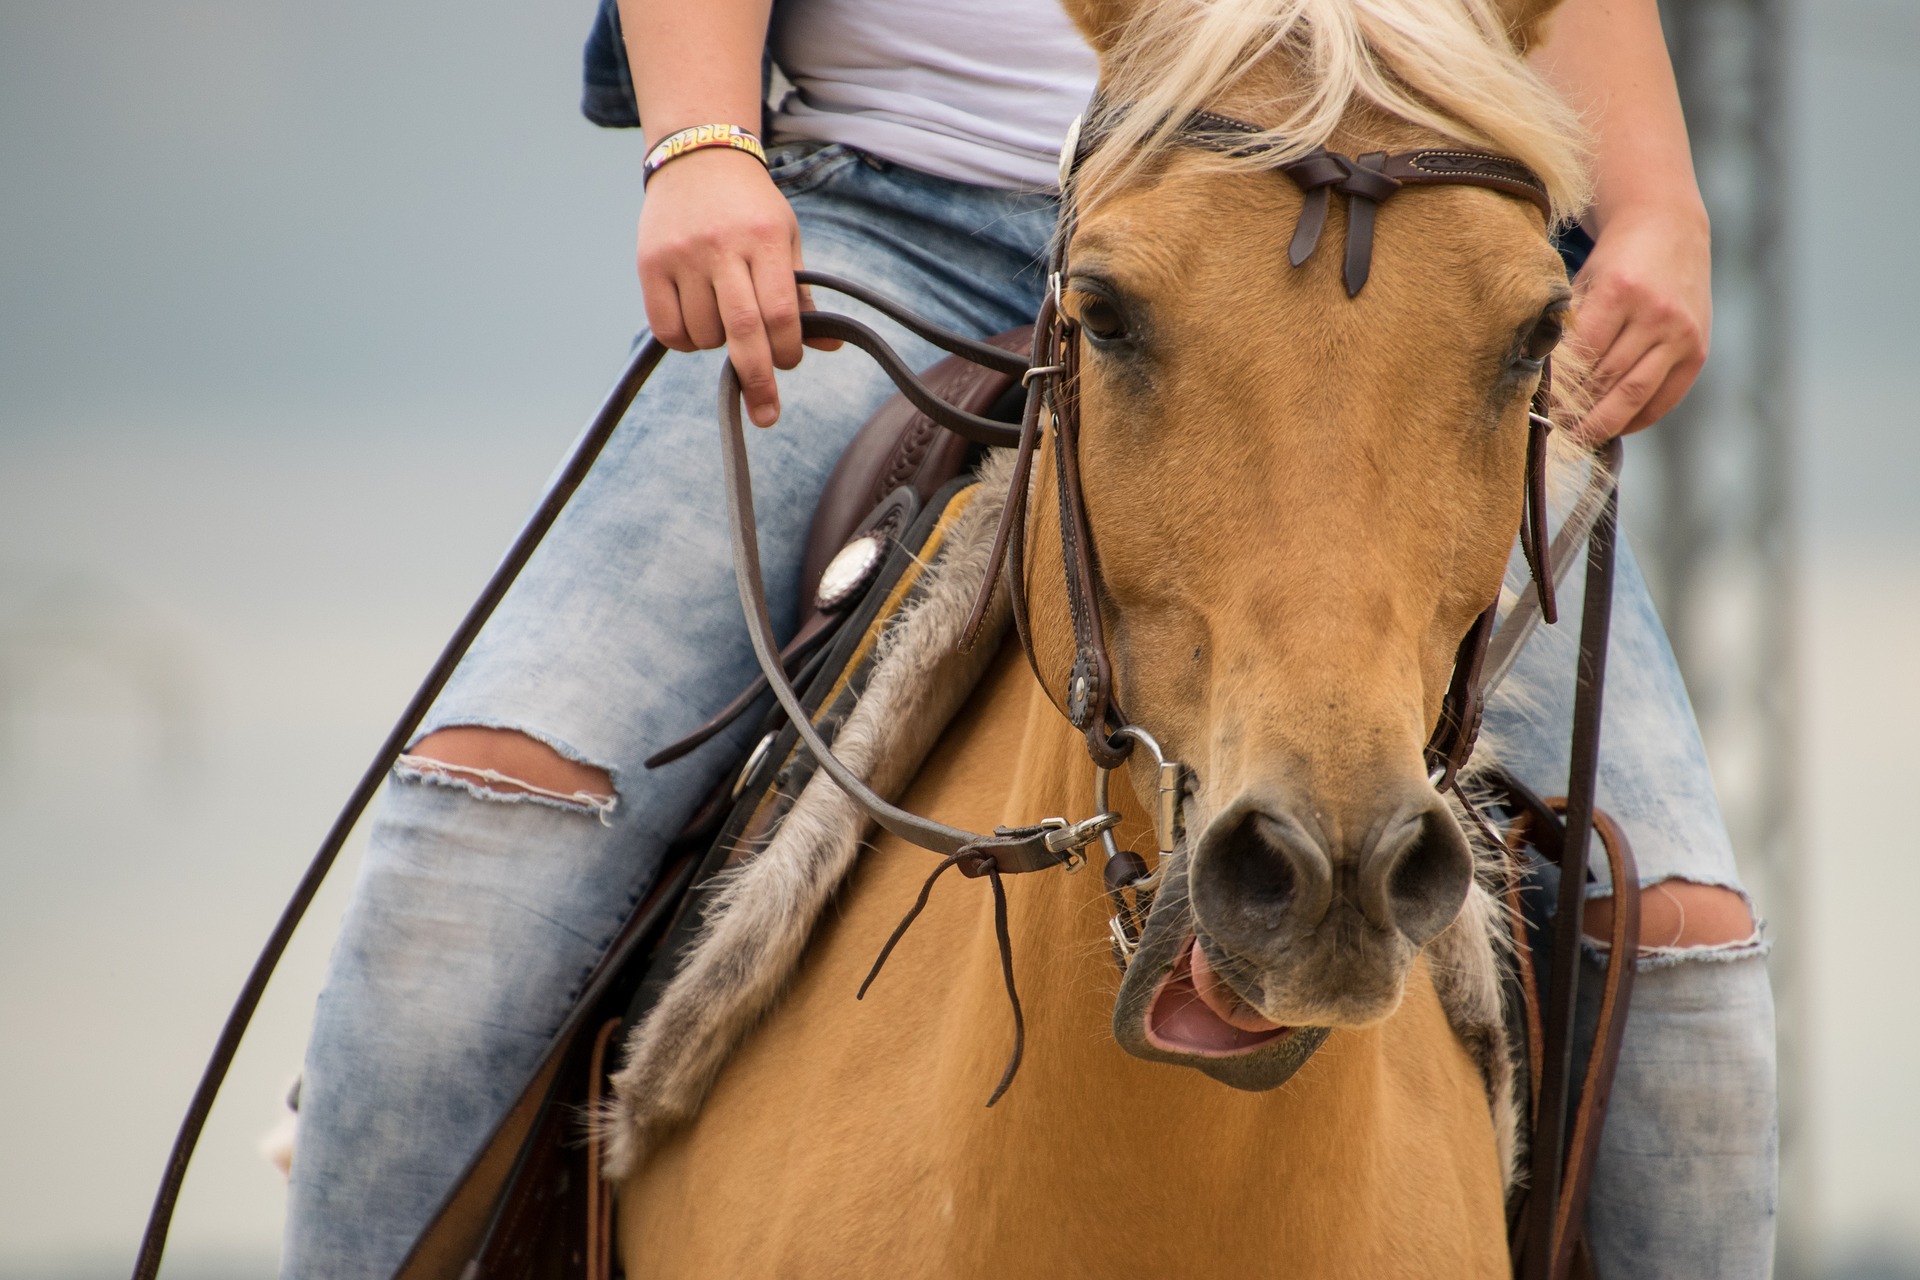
1450 66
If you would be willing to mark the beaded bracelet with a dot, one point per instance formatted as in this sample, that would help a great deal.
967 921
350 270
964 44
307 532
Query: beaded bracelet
677 144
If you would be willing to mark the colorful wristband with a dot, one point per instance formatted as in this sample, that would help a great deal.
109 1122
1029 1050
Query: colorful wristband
679 143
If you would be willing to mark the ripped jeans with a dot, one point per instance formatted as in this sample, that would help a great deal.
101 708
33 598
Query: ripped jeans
478 914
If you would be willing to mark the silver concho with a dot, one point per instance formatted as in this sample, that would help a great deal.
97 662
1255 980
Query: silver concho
849 570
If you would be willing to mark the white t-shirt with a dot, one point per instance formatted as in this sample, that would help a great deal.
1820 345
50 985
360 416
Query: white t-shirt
977 90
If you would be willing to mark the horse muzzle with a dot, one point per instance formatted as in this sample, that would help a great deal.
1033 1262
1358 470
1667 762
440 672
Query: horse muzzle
1262 939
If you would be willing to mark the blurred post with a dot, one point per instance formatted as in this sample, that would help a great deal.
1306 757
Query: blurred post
1722 539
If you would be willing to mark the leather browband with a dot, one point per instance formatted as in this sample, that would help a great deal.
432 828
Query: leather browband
1367 180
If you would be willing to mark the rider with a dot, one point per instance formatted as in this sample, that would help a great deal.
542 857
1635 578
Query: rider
917 154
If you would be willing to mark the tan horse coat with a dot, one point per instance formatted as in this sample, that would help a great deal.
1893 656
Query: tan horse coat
868 1151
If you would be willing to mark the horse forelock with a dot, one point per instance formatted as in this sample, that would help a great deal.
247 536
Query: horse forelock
1305 68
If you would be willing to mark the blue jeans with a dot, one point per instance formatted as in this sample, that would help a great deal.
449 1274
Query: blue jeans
478 915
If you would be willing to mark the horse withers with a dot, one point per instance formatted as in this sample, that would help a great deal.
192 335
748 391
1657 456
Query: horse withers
1302 496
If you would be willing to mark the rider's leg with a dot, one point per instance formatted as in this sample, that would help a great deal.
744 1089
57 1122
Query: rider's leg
521 829
1684 1184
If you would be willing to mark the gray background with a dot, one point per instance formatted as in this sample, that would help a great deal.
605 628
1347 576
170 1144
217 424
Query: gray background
298 307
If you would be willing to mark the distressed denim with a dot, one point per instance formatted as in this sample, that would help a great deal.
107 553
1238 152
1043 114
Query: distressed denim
477 916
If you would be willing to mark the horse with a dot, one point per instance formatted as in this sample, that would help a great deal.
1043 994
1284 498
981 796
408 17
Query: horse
1303 493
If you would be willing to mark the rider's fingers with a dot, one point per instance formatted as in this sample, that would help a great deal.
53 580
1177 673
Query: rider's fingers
1597 321
739 309
1618 407
1626 347
772 271
1678 381
699 312
661 298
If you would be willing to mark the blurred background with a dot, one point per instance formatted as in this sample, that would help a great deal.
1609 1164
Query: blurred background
299 305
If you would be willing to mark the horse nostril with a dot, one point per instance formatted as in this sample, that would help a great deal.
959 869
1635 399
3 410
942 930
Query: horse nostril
1416 876
1260 873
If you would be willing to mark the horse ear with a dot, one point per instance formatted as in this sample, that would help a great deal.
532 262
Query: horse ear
1527 21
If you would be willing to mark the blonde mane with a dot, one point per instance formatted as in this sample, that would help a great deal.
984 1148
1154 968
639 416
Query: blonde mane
1451 66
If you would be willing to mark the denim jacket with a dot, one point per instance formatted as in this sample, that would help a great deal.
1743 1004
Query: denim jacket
606 96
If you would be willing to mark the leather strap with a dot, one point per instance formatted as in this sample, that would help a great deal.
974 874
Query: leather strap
1596 1090
1533 518
969 426
1463 706
1528 612
1544 1244
1539 823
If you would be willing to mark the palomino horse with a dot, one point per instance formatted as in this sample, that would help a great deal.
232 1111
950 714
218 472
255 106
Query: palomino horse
1302 500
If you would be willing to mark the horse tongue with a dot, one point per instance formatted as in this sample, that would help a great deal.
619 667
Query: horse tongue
1222 999
1180 1020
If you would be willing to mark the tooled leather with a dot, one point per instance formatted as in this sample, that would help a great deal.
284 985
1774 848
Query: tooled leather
900 445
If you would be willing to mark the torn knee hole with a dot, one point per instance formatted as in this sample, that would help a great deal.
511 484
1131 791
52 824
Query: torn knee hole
1679 915
506 764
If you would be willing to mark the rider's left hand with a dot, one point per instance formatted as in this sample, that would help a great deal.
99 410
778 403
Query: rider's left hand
1645 310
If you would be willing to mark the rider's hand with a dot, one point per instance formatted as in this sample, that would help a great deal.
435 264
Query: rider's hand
718 248
1644 315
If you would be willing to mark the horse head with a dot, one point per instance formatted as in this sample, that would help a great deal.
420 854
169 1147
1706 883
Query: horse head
1301 498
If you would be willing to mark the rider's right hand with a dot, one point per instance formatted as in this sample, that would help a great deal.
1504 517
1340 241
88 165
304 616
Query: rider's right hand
718 248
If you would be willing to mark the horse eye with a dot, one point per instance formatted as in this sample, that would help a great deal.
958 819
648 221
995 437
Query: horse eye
1545 335
1101 318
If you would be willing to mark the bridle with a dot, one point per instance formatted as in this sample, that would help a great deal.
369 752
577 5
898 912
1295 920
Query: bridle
1051 377
1367 180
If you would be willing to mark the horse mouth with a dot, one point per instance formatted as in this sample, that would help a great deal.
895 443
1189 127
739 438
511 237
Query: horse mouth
1195 1012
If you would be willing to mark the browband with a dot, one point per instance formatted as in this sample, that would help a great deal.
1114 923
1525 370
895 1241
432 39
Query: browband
1366 180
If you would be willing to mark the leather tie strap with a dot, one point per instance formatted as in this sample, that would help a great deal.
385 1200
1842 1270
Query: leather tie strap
972 864
1361 180
1366 180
